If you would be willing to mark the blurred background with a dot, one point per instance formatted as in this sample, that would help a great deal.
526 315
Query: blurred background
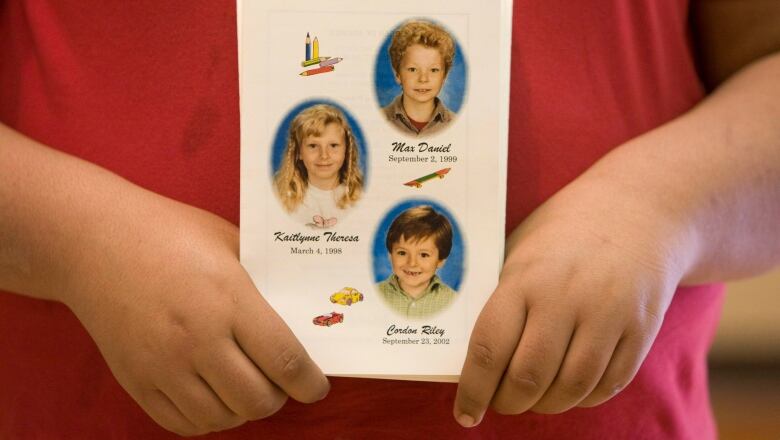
745 361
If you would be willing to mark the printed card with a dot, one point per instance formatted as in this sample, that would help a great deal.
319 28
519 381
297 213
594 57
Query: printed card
373 174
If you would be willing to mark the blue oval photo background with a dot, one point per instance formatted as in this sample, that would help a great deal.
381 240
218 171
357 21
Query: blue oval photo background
453 93
280 140
451 273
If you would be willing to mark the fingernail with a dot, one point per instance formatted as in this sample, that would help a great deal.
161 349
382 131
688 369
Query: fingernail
325 391
323 396
466 420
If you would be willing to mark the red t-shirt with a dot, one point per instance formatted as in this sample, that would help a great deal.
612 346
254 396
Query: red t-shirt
149 90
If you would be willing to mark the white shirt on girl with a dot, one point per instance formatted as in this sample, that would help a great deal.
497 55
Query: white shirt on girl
319 209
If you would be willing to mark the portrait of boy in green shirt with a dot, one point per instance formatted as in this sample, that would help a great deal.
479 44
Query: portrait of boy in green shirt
419 241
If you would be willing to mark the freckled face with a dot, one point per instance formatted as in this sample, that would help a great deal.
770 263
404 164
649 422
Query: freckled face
421 73
323 156
415 263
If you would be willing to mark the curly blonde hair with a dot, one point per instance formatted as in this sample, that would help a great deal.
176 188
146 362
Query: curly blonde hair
292 180
424 33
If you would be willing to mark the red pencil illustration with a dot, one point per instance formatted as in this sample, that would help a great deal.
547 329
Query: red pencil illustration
317 71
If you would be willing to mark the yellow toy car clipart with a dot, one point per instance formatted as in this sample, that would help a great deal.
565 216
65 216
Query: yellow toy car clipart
346 296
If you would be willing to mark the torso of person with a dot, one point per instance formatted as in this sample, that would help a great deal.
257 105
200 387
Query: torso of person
149 90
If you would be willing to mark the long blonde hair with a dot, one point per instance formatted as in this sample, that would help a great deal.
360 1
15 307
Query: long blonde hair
292 179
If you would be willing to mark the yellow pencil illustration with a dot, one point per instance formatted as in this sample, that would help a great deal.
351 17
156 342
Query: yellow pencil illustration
315 51
313 61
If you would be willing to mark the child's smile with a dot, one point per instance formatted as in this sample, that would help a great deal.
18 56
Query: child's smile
422 91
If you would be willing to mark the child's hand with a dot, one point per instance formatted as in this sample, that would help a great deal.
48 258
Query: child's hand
160 289
586 282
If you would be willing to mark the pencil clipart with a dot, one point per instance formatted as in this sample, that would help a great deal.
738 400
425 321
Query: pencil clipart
330 61
313 61
320 64
317 71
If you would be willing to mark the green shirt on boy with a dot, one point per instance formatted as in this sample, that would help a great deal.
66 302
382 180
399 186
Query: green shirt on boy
436 297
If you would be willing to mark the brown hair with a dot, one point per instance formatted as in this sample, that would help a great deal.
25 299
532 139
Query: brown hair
419 223
292 179
424 33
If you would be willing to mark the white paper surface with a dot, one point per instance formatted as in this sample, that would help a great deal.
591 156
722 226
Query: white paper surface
472 194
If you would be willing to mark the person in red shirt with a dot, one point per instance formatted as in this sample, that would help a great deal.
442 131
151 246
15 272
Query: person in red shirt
119 202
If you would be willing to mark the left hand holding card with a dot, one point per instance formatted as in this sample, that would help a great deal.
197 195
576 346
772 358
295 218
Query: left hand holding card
582 295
